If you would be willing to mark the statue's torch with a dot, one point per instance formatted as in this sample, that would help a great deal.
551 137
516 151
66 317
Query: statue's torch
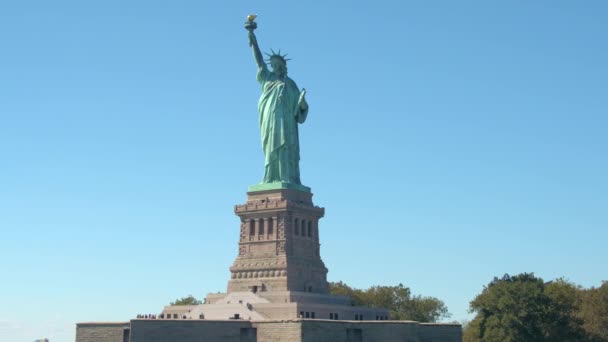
250 24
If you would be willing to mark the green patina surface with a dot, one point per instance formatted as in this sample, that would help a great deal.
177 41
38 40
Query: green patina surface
282 106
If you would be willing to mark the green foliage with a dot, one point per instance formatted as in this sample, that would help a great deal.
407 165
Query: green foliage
594 311
341 289
524 308
397 299
190 300
426 309
563 309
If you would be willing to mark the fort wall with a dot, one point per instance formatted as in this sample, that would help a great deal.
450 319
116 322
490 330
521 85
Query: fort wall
296 330
103 332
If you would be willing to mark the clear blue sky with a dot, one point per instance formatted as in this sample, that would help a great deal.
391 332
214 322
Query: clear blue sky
449 141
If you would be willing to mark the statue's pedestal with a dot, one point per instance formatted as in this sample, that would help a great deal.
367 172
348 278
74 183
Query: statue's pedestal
279 244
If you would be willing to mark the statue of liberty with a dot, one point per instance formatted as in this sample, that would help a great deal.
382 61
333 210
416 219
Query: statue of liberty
281 108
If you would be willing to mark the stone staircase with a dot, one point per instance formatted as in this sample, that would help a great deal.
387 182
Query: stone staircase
236 305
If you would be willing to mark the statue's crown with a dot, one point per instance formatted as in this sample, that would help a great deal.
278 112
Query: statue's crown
276 55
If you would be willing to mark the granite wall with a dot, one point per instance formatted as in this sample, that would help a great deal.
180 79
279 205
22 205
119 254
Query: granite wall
191 331
278 331
351 331
102 332
306 330
429 332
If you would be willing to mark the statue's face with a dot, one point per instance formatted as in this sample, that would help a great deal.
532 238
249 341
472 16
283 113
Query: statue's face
278 66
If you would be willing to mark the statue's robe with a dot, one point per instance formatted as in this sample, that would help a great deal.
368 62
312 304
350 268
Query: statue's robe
279 117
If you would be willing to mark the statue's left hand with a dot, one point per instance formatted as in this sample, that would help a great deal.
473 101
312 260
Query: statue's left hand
302 100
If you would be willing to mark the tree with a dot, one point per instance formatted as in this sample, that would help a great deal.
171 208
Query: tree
524 308
341 289
190 300
594 311
563 308
426 309
397 299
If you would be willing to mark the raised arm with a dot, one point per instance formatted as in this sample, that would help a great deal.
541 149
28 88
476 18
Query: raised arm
257 54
